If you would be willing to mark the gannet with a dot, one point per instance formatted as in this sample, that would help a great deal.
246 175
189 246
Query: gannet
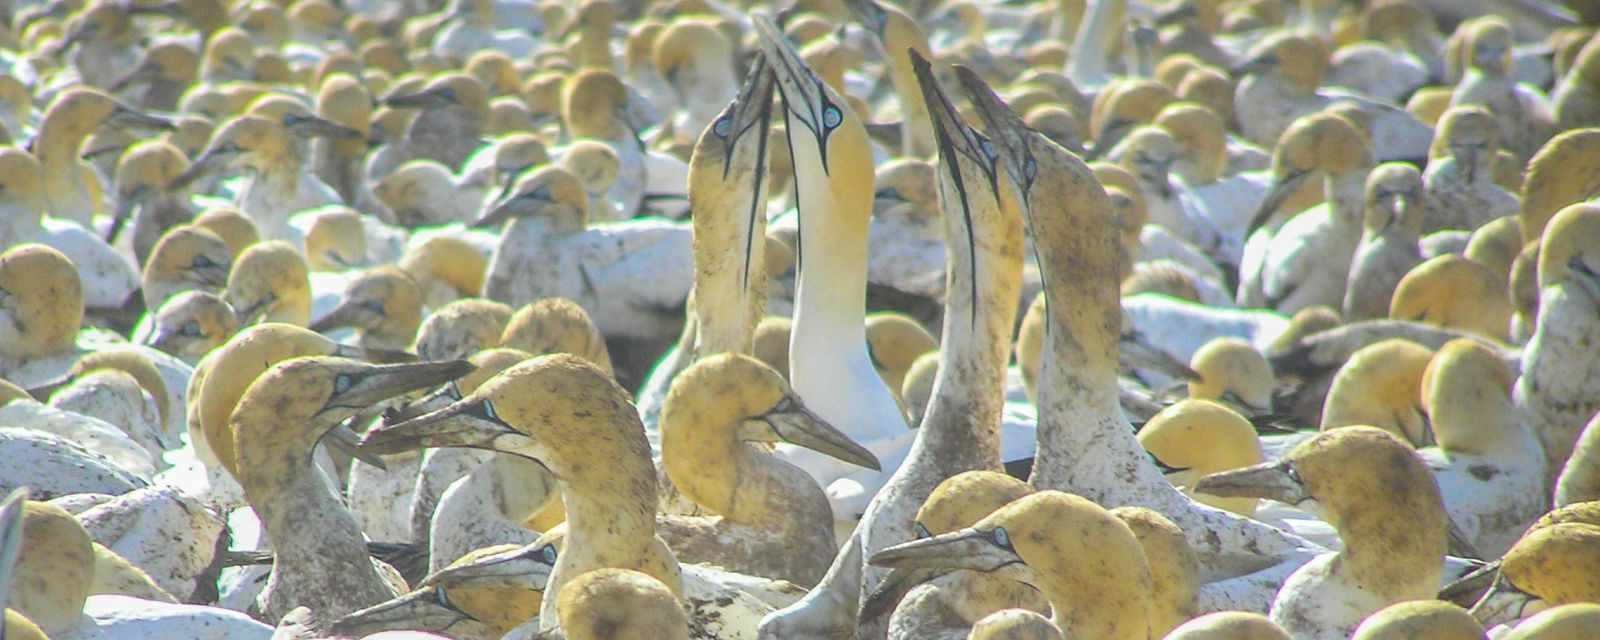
618 603
1235 374
596 104
556 325
1566 622
1387 64
123 388
1122 107
144 205
454 109
186 258
548 250
189 325
71 587
278 184
1522 112
101 38
270 282
1462 193
492 504
384 305
697 61
446 268
959 431
894 342
1579 481
335 241
927 605
1380 385
1495 245
896 32
1543 567
1046 540
232 226
1430 619
343 99
1229 625
1555 386
1149 153
1225 197
41 306
1574 98
94 436
13 623
106 277
1453 292
1189 27
1280 82
483 595
1299 264
742 487
1387 508
280 418
1015 624
423 192
1203 437
1390 234
461 328
905 243
611 507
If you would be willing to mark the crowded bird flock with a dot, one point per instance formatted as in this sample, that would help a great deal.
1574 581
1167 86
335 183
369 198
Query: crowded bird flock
807 319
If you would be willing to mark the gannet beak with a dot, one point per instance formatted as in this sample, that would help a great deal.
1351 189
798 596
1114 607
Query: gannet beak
249 312
374 355
344 440
1258 64
348 313
10 536
1138 354
380 382
1503 603
527 567
790 421
1277 192
805 102
433 401
212 159
466 423
425 609
431 99
965 549
1006 130
316 127
1268 480
870 14
511 206
893 588
751 107
957 141
124 117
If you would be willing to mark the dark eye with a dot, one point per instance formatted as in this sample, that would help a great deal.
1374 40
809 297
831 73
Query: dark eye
202 262
1001 538
343 383
921 530
722 127
190 328
375 305
448 93
832 116
547 554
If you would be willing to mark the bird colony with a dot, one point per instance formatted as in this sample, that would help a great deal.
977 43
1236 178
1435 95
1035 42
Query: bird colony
800 319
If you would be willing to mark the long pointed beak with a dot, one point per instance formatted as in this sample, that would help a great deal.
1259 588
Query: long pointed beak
958 143
348 313
318 127
1006 130
124 117
211 160
425 609
1268 480
803 95
457 425
433 401
385 381
344 440
418 100
801 427
893 588
1137 354
502 211
1502 603
380 356
964 549
43 391
1277 193
140 75
527 567
124 211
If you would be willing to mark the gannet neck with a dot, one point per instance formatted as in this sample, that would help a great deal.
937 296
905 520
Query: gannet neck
898 34
1097 32
292 504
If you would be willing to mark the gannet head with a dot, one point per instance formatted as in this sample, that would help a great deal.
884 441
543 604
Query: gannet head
1470 134
543 93
1150 153
1063 544
81 111
593 162
1203 437
336 241
515 155
22 198
620 603
728 167
827 141
507 115
186 257
1381 385
688 47
1566 622
127 360
1420 620
54 569
1374 489
165 62
498 587
1129 212
1161 276
1495 245
596 104
191 133
1467 389
298 118
1199 131
908 188
495 71
271 283
1210 87
287 410
192 323
249 141
1570 252
488 363
1305 322
344 100
556 325
1456 293
1558 175
1123 107
1295 59
1394 199
267 24
1229 625
551 193
448 259
101 21
419 193
12 509
1488 46
41 301
735 398
384 304
144 170
771 343
1233 372
1014 624
1545 568
1174 569
1320 142
894 341
458 93
232 226
229 55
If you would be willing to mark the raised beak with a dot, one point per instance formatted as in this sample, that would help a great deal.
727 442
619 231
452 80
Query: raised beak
742 129
965 549
1503 603
804 99
1268 480
793 423
317 127
462 424
1277 192
959 145
1006 130
425 609
125 117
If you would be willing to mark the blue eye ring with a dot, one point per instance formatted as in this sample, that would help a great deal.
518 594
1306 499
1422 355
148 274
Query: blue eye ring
488 411
453 391
722 127
1001 538
832 116
547 554
1030 169
190 328
342 383
921 530
987 147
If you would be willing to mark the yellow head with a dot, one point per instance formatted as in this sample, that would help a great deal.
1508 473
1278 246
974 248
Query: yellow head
191 324
55 570
1174 569
551 193
1381 385
1394 199
1014 624
1468 395
336 241
593 162
771 343
461 328
1199 131
232 226
1160 277
383 304
344 100
591 105
1558 175
1566 622
1211 88
450 260
1123 107
961 500
1470 134
1488 47
917 389
1496 244
908 186
1455 293
41 301
131 361
894 341
1203 437
186 257
1229 625
21 189
1551 563
1233 372
1296 59
147 167
1570 252
556 325
270 282
618 603
1420 620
